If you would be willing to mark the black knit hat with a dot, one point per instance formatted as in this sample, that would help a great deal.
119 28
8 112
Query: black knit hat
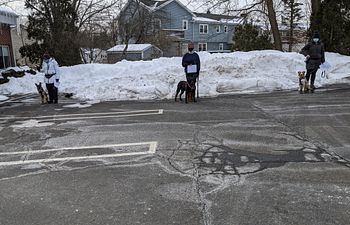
316 35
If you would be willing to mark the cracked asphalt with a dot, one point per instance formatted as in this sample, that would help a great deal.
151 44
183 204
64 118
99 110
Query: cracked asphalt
259 159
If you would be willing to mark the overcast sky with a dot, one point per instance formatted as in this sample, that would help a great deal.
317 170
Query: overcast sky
195 5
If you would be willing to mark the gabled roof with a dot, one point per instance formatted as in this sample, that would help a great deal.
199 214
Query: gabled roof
8 16
131 48
209 17
215 16
153 3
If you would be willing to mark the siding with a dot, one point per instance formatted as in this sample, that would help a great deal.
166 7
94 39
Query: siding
175 14
172 16
212 35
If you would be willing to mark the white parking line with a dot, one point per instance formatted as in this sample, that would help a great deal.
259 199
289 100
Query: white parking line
87 115
151 150
17 98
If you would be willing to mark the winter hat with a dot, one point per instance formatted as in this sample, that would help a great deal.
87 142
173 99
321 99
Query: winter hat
316 35
46 55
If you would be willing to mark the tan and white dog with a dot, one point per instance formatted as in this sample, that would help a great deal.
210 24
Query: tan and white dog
42 93
303 84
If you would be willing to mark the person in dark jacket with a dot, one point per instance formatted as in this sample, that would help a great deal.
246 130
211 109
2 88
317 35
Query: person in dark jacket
192 64
314 53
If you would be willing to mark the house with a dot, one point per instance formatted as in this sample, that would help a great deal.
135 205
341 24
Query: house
209 32
20 38
133 52
8 19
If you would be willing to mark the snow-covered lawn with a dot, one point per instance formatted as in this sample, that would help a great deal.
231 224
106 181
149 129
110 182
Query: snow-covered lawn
226 73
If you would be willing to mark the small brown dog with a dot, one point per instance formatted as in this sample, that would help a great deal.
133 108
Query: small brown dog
189 88
42 93
303 84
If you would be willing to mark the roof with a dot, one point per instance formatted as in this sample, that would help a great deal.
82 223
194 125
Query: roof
153 3
131 48
7 11
8 16
217 17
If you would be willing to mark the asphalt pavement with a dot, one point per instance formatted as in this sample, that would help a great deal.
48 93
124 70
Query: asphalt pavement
280 158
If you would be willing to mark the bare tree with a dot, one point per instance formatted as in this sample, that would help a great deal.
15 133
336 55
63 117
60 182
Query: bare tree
274 25
315 7
56 25
267 8
137 24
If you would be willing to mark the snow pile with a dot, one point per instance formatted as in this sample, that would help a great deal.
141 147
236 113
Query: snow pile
3 98
225 73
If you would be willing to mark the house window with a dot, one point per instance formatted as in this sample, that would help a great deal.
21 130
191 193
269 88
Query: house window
203 28
225 29
185 24
217 28
221 46
157 24
4 57
202 47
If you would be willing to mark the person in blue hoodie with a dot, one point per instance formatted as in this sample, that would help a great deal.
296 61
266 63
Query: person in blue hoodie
192 64
314 53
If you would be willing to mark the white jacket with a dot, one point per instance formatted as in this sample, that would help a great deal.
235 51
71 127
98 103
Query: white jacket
51 68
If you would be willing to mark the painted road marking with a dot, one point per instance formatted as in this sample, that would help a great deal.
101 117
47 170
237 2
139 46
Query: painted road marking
87 115
27 96
151 150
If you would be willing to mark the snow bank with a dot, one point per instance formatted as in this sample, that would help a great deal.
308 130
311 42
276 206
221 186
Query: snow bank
225 73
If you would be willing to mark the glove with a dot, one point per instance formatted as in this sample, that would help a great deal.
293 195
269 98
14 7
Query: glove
38 67
57 80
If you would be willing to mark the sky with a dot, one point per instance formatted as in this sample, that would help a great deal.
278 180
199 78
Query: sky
221 74
18 5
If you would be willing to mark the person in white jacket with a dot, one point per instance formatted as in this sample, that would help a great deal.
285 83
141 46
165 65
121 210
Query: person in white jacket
51 70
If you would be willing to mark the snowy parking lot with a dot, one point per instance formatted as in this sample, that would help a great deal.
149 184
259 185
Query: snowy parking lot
268 158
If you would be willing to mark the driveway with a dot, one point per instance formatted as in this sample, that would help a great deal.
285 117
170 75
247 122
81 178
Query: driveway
269 159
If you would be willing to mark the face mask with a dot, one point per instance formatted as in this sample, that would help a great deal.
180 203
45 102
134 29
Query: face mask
190 49
316 40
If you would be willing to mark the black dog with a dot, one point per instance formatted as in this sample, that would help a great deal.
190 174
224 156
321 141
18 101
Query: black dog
189 88
42 93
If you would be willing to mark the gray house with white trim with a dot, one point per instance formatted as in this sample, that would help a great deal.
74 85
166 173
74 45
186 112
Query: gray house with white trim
208 32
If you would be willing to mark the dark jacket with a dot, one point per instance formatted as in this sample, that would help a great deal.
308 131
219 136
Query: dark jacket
191 59
316 53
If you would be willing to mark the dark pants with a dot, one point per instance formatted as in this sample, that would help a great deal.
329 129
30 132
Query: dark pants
313 75
191 79
53 93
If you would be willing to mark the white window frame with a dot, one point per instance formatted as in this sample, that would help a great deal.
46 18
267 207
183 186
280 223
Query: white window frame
221 46
203 25
183 24
218 30
225 29
3 57
157 22
201 47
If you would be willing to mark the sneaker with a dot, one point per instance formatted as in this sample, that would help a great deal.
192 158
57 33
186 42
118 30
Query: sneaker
312 87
